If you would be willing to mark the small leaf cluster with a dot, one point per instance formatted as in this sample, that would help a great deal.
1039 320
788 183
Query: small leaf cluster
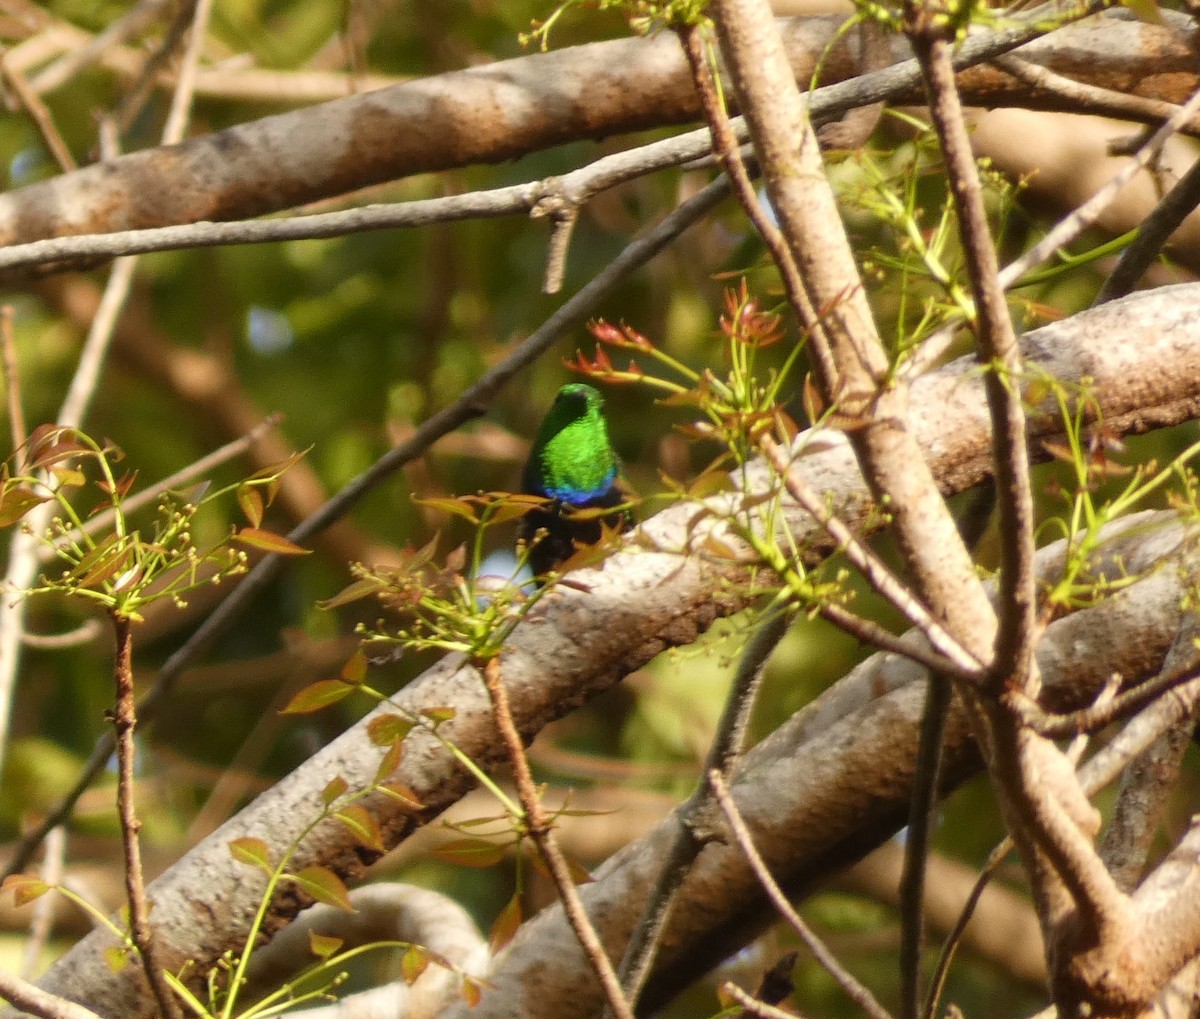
486 841
1089 452
736 409
448 607
101 556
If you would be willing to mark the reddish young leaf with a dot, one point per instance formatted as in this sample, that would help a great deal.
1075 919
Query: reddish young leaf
269 541
316 696
355 670
324 886
16 502
390 761
471 991
455 507
362 826
384 730
25 888
334 788
506 924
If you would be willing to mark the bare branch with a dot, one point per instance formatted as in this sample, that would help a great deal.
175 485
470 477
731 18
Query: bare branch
856 992
226 176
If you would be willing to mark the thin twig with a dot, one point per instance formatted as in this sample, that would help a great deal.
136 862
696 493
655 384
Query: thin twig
857 993
541 830
71 63
752 1005
687 842
12 379
124 721
1090 211
937 984
996 340
40 115
1081 95
84 633
471 403
869 632
1152 236
185 85
871 566
921 816
562 228
1097 716
134 99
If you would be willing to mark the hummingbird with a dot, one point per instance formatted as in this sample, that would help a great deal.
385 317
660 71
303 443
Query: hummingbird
572 463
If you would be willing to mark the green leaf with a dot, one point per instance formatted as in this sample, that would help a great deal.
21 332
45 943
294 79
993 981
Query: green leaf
506 925
413 963
117 957
390 761
336 787
323 945
25 888
384 730
269 541
351 593
362 826
439 714
250 499
68 477
324 886
16 502
470 853
316 696
408 799
253 852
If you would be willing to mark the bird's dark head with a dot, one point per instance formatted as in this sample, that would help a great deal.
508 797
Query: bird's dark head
577 400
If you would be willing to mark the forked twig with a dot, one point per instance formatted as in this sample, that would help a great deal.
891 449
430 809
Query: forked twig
857 993
541 830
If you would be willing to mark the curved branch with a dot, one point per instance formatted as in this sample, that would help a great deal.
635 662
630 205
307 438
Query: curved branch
511 108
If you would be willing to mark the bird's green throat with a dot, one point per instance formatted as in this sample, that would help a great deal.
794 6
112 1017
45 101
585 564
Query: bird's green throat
572 459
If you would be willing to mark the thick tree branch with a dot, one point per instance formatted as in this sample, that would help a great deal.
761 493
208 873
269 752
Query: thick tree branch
511 108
